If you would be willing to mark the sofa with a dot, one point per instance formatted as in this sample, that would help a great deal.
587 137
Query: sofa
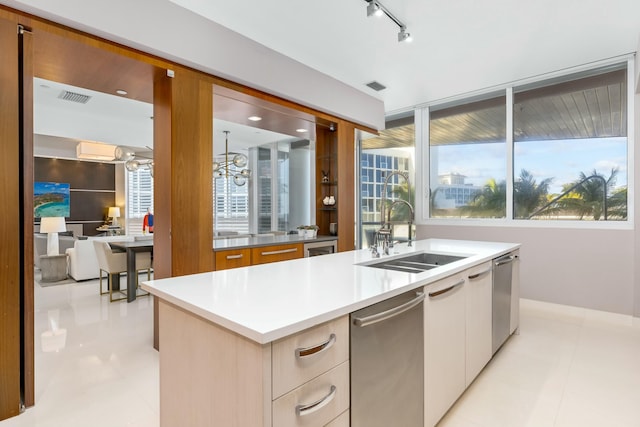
83 261
65 241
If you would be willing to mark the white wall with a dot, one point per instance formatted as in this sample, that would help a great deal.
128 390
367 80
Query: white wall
585 268
184 37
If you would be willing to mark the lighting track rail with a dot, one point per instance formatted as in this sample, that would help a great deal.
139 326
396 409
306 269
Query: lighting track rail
374 7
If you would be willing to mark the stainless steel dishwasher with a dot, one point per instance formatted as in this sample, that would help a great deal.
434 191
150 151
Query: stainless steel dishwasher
387 363
502 288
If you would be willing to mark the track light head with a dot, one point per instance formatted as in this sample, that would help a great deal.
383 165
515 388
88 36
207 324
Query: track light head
403 36
373 8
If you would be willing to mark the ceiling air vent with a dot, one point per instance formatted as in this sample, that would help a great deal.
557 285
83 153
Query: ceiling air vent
376 86
74 97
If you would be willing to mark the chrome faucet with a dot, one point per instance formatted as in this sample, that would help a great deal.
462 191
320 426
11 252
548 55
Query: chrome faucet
386 229
410 222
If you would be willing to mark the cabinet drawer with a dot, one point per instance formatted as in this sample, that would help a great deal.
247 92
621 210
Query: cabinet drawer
275 253
342 421
298 358
317 402
233 258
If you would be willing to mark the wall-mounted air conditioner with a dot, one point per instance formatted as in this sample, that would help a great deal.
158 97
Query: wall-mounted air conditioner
95 151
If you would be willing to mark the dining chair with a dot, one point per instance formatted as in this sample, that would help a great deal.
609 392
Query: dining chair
112 263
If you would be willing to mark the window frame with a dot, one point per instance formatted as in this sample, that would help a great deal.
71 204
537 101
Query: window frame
422 117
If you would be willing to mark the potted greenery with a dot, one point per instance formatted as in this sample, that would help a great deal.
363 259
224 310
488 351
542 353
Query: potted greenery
311 231
301 229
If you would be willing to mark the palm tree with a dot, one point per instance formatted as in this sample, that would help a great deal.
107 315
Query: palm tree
589 195
491 202
617 204
528 195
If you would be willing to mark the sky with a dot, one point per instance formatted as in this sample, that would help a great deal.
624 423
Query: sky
562 160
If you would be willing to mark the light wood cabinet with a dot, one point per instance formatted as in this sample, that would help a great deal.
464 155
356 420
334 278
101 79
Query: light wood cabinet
344 420
214 377
233 258
478 319
444 327
303 356
315 403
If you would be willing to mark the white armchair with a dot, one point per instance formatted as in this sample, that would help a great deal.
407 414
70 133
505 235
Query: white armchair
83 262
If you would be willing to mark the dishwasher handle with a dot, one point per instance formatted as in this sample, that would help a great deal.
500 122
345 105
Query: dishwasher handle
505 260
388 314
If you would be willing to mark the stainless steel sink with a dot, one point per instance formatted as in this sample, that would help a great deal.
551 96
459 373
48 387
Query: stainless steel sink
415 263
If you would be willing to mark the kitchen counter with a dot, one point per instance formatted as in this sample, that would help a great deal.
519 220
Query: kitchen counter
267 302
258 240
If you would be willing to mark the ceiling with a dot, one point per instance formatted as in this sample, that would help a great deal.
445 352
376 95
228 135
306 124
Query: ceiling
59 124
458 47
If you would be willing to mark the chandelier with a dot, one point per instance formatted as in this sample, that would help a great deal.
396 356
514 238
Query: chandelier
130 162
233 165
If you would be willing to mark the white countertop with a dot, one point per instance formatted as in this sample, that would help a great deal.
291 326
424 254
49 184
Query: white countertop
271 301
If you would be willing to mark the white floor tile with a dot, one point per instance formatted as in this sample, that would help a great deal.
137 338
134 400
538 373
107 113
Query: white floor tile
568 367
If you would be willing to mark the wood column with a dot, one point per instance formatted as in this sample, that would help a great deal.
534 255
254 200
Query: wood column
183 176
346 183
192 174
10 244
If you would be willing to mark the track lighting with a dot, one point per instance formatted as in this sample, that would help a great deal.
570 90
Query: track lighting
374 7
403 36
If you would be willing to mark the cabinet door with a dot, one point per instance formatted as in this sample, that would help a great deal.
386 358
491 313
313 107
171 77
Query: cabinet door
275 253
233 258
444 317
478 319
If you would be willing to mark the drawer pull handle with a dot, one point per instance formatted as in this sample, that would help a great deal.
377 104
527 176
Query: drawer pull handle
282 251
310 351
302 410
234 256
482 273
445 290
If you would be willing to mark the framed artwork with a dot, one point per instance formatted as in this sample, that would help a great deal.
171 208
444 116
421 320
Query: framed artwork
51 199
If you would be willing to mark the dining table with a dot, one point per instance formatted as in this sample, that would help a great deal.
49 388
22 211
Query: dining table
132 248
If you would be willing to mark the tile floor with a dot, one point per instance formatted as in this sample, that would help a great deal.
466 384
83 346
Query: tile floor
569 367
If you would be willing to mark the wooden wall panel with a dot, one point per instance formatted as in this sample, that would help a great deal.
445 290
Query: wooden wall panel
346 183
10 256
191 174
28 341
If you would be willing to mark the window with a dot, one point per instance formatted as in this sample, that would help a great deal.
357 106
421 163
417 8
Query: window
139 198
467 151
231 206
569 151
392 150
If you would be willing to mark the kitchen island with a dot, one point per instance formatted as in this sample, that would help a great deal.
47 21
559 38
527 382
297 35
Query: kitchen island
234 343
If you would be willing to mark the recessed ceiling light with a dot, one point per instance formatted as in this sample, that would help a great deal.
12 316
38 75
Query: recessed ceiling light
255 118
301 130
121 92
